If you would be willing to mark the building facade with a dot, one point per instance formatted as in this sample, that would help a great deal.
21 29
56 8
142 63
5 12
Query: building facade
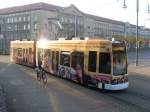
41 20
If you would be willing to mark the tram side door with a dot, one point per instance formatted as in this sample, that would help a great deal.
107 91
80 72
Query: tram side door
78 65
55 60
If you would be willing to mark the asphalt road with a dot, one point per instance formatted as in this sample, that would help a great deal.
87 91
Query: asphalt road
25 94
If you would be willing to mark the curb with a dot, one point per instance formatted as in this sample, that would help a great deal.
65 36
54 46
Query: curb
2 101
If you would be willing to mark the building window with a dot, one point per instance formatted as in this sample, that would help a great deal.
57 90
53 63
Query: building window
8 20
15 27
11 20
28 18
9 28
19 19
62 19
71 21
24 18
15 19
46 26
35 26
28 26
78 21
65 20
24 27
35 18
81 22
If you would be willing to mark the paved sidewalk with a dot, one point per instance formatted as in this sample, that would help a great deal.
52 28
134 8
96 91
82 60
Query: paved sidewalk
144 70
2 101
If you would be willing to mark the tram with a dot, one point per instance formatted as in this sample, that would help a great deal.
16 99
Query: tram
98 63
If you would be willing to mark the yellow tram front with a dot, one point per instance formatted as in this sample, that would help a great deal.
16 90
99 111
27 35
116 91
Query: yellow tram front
119 80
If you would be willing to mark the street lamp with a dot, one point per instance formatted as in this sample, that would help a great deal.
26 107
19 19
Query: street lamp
137 6
137 11
124 4
137 42
75 26
4 36
1 42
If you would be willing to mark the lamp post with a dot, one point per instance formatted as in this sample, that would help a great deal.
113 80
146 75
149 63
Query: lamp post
124 4
1 43
137 41
75 26
4 36
137 45
137 12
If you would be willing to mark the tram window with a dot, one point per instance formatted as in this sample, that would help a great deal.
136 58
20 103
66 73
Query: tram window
53 58
39 54
57 60
14 51
104 63
23 51
46 52
92 61
19 52
26 51
65 58
11 50
30 50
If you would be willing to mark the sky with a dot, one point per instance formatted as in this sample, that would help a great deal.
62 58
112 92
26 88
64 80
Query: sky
112 9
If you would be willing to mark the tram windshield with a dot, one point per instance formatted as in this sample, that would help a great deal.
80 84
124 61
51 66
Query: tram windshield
119 63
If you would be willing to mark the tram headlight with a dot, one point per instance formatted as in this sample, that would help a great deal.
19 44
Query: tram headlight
43 43
86 38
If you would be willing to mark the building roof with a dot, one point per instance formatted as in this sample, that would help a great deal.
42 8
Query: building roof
29 7
50 7
97 18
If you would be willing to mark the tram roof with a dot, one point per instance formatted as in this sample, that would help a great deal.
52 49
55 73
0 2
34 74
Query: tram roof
80 41
91 41
18 41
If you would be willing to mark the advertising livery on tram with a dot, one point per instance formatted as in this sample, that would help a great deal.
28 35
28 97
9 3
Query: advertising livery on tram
98 63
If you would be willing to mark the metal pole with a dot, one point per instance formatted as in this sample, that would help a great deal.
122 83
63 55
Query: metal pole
4 44
137 34
124 4
75 26
125 35
148 6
